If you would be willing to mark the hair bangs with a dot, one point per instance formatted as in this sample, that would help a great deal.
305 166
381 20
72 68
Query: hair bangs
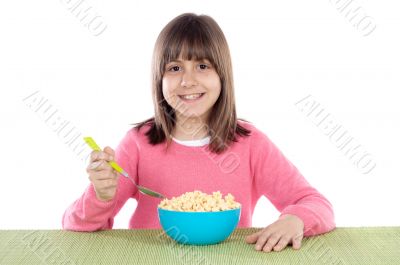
191 41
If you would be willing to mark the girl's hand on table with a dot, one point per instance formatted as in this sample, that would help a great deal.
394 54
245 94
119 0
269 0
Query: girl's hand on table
288 229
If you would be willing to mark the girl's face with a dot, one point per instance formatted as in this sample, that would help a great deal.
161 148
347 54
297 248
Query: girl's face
191 87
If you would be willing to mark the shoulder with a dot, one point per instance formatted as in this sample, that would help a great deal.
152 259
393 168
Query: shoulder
255 133
258 141
135 137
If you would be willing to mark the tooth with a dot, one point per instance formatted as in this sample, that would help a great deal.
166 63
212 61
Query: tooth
192 96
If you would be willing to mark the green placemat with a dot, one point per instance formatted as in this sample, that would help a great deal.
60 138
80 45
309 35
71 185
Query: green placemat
372 245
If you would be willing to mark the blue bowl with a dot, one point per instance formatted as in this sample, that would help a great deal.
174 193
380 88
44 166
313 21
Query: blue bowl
199 228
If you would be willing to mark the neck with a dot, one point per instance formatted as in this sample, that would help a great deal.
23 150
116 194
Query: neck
187 128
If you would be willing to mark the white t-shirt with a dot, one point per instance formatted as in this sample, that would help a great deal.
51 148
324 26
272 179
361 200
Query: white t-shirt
199 142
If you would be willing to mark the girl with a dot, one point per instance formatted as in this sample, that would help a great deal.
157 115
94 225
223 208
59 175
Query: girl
195 142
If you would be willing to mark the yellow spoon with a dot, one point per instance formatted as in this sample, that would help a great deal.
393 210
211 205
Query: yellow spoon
114 165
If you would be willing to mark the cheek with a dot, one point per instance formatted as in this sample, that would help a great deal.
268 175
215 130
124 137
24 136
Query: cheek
214 86
169 84
167 90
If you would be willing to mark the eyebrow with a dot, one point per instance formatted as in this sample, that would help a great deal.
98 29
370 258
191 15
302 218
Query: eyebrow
180 61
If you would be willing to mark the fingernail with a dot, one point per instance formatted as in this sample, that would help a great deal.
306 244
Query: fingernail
95 164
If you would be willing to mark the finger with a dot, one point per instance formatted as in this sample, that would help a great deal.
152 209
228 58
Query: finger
94 176
282 243
110 152
271 242
296 242
94 165
94 155
99 166
98 155
106 184
262 239
251 239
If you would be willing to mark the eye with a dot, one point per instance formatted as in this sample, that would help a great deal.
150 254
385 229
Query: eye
203 66
174 68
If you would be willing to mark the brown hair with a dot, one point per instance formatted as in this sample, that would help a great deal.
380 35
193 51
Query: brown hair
194 37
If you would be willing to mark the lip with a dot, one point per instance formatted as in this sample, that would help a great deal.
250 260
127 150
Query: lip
192 93
191 100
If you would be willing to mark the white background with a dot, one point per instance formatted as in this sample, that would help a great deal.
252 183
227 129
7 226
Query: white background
282 51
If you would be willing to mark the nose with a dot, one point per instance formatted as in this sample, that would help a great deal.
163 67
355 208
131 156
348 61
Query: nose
188 79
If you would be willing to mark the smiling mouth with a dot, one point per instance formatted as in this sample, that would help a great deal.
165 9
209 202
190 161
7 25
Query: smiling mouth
191 97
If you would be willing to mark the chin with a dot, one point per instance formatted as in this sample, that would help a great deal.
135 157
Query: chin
193 114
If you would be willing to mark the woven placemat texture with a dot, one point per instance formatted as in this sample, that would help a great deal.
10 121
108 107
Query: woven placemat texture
364 245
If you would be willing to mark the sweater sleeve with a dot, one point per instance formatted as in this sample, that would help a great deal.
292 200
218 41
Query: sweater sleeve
89 213
281 182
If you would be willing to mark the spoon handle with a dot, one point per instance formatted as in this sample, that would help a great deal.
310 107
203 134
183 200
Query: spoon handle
114 165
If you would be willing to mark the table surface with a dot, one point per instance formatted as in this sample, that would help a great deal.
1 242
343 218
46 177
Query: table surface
361 245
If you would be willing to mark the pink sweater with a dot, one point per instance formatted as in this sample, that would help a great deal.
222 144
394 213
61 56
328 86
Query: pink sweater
248 169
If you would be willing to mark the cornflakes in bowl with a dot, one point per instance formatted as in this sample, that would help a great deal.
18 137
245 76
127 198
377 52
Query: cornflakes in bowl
197 218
